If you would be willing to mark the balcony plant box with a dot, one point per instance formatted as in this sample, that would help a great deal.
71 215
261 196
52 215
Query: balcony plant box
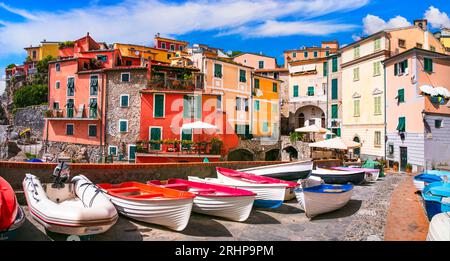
408 168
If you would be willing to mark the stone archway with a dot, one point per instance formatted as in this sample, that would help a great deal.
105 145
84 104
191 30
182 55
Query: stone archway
273 155
309 115
241 155
293 153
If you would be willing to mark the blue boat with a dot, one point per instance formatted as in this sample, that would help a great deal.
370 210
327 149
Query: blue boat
422 180
439 173
437 198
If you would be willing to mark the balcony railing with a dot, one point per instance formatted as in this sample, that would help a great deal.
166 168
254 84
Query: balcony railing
69 113
175 84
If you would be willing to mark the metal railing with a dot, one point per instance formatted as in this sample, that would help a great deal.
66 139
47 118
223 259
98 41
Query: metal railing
175 84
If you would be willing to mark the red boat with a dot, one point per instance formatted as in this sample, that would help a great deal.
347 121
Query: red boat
11 214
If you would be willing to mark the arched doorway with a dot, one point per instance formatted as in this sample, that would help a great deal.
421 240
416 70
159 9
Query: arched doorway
309 115
301 120
293 153
241 155
357 151
273 155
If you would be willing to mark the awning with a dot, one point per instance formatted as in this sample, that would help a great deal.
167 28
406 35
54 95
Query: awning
442 92
312 129
197 125
435 91
336 143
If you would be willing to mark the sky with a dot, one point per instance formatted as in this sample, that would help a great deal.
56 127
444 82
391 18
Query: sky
267 26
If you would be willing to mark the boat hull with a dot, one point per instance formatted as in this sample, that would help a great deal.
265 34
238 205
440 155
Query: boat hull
439 229
436 198
314 203
232 208
289 171
422 180
93 214
356 178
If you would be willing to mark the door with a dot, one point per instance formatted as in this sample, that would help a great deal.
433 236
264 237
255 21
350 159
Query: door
403 158
155 135
131 153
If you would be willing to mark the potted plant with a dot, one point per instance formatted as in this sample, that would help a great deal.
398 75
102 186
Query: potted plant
187 145
154 144
408 168
216 146
48 113
396 166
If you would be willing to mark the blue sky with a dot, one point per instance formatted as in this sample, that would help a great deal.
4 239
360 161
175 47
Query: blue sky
268 26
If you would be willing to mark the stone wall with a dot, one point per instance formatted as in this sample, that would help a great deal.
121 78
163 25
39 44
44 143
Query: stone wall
257 148
30 117
302 148
76 152
116 88
14 172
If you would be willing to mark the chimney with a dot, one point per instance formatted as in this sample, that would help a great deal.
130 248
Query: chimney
87 34
422 23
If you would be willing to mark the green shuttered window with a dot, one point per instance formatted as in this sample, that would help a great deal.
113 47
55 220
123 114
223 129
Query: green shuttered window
257 83
155 135
295 90
256 105
334 64
334 89
310 91
158 110
401 127
334 111
428 64
242 77
401 95
275 87
218 70
325 69
123 126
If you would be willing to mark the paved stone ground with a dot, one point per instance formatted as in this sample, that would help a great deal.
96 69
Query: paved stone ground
363 218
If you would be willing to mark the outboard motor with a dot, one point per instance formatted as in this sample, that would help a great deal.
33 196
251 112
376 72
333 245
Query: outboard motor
60 175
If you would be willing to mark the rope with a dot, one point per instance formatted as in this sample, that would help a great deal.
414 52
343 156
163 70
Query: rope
97 191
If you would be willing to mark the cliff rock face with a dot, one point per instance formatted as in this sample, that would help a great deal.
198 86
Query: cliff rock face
30 117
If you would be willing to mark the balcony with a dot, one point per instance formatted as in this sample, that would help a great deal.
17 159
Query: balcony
309 100
68 114
181 148
175 84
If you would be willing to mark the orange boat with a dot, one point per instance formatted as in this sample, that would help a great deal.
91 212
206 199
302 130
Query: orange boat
151 204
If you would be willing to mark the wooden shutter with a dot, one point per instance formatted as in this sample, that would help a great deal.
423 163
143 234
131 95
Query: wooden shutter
334 89
159 106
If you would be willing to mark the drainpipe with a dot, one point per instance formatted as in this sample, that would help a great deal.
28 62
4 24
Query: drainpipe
327 117
384 107
250 105
103 130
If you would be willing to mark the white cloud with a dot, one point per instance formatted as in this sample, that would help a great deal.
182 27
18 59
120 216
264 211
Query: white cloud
436 18
373 24
2 87
137 21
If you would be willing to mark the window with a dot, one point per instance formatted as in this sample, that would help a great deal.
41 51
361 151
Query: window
219 102
334 64
93 108
112 150
192 107
172 47
401 43
70 86
241 104
276 75
242 76
377 44
391 149
124 100
419 45
432 48
128 63
294 55
163 45
377 103
295 90
93 86
256 83
261 64
58 67
125 77
376 69
56 105
325 69
69 129
428 64
334 111
356 52
377 141
168 56
334 89
34 54
401 95
256 105
180 48
123 126
92 130
401 67
274 108
57 84
310 91
356 111
217 70
274 87
315 54
265 126
327 53
102 58
155 135
70 108
158 108
305 54
356 74
438 124
401 127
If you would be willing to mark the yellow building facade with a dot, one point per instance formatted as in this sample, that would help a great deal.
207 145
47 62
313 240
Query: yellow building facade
266 106
150 53
37 53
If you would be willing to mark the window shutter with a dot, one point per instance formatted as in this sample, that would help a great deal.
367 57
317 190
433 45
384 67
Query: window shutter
325 69
246 104
295 90
159 105
186 110
334 89
198 100
335 64
334 111
257 105
396 69
275 87
401 95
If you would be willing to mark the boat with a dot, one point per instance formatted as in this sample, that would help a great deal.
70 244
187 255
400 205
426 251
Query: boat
422 180
439 229
330 176
323 198
230 176
437 198
151 204
77 208
12 215
292 171
371 175
438 173
214 200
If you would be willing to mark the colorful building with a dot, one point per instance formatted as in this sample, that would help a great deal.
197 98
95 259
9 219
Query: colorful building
334 93
171 45
363 114
148 53
444 37
307 53
257 61
418 118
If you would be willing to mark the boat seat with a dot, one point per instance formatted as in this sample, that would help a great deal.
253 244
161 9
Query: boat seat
124 190
235 175
203 191
177 186
147 195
